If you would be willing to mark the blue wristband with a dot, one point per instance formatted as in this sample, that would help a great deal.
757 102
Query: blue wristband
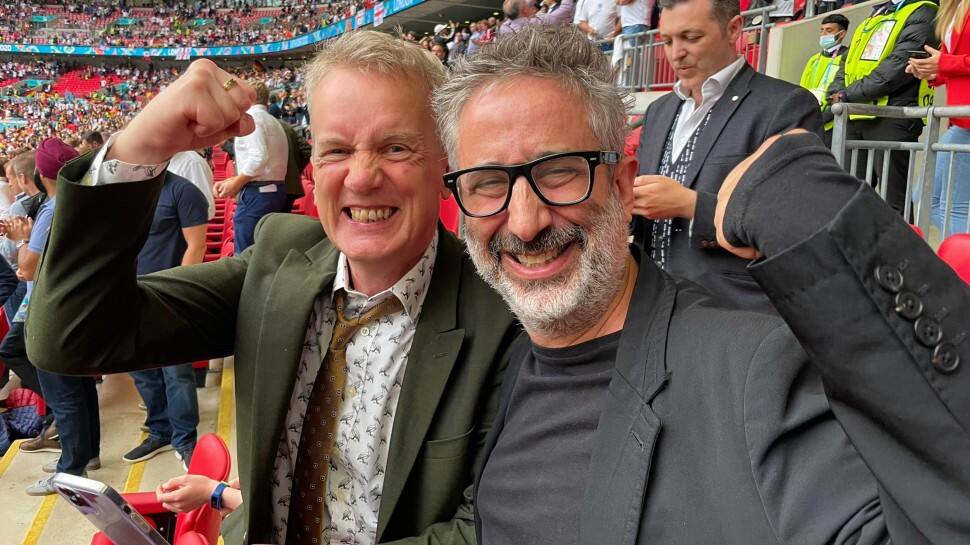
215 500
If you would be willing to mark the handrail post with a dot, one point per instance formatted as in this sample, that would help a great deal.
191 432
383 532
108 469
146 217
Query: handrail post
927 175
840 131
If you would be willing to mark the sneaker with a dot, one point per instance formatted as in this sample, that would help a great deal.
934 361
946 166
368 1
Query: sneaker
146 450
44 487
93 464
142 406
144 428
185 456
41 443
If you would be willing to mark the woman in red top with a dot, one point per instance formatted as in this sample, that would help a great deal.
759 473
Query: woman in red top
950 66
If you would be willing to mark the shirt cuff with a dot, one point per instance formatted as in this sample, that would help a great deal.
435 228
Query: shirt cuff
113 171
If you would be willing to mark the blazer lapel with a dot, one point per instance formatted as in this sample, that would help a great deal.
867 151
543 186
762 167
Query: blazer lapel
628 428
431 358
289 303
732 98
651 147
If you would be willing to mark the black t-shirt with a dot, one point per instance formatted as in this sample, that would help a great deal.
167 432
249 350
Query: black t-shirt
532 487
180 205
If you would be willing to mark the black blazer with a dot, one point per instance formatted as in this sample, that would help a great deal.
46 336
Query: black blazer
753 107
718 428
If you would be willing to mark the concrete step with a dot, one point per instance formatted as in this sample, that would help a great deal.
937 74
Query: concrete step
52 521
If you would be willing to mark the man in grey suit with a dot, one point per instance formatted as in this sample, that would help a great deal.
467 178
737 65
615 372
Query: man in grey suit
719 112
640 410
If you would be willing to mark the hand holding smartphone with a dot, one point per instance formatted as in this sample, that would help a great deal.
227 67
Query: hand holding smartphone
107 510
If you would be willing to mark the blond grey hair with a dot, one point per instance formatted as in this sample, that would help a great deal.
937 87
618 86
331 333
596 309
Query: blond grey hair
561 54
372 51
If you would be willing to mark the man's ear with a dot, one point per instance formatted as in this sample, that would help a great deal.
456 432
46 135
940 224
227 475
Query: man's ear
734 28
623 174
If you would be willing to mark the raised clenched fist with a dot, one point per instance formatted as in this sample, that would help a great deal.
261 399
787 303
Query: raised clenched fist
198 110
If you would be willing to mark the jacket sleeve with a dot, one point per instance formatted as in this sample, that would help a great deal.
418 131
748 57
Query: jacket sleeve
895 374
891 74
954 66
91 314
797 109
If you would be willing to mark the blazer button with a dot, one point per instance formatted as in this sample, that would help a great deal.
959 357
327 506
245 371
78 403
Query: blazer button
889 277
945 358
909 305
928 331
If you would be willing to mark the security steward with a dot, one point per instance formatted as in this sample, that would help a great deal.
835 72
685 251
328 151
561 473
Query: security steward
821 67
874 72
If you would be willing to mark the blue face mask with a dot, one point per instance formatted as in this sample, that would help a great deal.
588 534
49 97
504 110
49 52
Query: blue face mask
827 41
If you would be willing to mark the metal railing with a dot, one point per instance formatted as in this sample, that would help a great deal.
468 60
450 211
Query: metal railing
643 66
923 157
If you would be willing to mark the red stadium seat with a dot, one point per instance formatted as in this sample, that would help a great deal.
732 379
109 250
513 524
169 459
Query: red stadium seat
449 214
211 459
955 251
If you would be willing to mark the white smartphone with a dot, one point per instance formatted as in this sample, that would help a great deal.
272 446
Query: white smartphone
107 510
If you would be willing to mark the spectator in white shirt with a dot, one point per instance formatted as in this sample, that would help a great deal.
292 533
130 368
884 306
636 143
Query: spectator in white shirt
598 20
261 158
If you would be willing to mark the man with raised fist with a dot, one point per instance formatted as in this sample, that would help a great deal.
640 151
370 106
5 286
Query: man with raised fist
356 366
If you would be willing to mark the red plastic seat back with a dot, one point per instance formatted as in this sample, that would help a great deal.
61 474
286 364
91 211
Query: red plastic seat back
955 251
448 214
192 538
211 459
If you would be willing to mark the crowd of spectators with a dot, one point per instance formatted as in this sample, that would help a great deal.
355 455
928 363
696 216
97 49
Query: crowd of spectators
199 24
41 113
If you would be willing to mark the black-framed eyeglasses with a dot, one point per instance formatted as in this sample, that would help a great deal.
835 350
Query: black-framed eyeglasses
561 179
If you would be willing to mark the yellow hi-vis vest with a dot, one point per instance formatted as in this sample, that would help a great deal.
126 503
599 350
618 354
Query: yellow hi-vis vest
872 42
819 72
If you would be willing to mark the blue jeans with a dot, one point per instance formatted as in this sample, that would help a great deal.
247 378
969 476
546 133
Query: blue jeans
172 403
74 403
634 29
960 181
251 206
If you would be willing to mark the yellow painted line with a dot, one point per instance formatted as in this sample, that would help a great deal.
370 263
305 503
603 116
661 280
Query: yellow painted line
40 520
8 457
136 472
226 403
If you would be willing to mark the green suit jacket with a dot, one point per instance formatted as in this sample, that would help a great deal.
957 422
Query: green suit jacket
91 314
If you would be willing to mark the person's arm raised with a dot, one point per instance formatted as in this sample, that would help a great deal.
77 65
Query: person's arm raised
199 110
881 317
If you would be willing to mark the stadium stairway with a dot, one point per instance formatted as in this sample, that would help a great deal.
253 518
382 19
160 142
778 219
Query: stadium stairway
52 521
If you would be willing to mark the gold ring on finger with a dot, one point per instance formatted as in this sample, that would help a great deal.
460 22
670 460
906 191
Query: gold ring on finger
229 84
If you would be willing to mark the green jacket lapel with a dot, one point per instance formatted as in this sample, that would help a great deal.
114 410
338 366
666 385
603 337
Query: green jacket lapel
289 303
432 356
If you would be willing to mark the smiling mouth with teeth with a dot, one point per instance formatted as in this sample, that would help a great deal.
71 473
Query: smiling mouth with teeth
370 215
536 260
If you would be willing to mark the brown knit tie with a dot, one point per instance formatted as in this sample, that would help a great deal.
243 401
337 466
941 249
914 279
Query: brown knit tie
309 494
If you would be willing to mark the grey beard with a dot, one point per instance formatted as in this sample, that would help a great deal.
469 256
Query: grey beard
572 304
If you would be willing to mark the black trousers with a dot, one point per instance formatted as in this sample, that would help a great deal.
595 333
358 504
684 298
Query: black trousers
13 352
886 129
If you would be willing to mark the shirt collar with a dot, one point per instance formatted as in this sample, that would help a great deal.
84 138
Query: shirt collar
411 289
715 85
257 107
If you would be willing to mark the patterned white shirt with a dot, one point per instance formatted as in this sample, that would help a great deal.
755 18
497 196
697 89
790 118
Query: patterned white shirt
376 359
